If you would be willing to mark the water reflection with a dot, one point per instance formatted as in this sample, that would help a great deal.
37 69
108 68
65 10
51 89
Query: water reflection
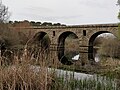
76 57
96 55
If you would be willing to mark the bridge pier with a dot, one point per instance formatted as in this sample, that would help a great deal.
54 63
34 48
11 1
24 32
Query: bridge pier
54 61
84 51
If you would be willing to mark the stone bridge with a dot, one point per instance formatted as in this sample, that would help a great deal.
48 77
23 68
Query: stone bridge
86 35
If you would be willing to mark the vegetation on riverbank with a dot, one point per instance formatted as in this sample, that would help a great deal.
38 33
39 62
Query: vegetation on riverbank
21 75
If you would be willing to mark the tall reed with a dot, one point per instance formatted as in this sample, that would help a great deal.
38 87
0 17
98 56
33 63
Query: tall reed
21 76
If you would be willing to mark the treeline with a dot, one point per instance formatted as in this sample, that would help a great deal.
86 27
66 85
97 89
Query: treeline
34 23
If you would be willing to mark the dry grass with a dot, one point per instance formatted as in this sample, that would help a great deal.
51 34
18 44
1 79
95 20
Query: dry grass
110 62
21 76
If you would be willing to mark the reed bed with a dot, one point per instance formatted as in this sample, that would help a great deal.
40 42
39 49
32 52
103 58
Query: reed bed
20 76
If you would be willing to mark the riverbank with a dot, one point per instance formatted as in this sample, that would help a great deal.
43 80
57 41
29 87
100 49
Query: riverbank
21 76
102 67
52 79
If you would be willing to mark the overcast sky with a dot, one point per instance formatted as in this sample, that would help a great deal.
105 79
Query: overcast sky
64 11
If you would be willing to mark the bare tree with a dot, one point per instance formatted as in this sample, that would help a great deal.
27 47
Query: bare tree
4 15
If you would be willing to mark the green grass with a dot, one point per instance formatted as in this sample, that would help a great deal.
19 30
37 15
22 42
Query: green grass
91 84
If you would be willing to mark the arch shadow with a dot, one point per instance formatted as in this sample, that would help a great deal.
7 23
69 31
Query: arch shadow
42 39
40 45
61 47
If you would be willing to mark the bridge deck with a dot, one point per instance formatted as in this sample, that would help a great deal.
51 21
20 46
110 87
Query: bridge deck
70 26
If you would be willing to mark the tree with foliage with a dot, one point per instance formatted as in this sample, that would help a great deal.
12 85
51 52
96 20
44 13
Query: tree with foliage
10 22
38 23
56 24
118 3
46 24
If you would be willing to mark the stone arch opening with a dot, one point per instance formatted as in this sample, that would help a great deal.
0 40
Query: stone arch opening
93 48
63 48
42 39
41 45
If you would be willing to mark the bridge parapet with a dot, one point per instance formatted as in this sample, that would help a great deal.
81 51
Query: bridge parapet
69 26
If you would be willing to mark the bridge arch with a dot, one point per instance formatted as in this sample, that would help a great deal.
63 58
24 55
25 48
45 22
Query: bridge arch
41 45
61 47
41 38
91 43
